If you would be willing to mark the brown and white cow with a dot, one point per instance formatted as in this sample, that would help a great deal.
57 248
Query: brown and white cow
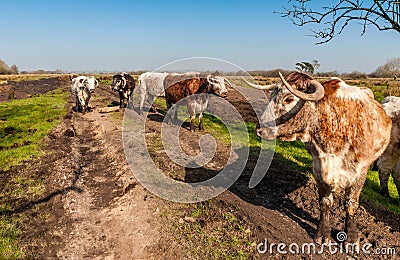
344 129
389 163
195 88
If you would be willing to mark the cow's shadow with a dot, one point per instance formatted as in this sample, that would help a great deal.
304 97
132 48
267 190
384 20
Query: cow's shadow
75 109
276 189
273 190
156 117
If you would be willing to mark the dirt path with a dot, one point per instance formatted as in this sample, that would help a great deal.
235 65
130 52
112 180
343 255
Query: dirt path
102 213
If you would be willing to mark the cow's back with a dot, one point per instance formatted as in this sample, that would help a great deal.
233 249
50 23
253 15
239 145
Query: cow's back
179 86
349 116
153 83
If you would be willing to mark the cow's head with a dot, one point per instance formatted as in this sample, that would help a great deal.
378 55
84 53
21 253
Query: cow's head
91 83
217 84
291 108
83 95
118 82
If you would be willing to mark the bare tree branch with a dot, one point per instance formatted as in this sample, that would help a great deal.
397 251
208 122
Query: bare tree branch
332 20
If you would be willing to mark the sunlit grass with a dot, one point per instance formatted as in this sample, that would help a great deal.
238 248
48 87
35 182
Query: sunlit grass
24 123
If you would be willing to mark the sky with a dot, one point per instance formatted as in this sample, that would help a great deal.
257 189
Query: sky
144 35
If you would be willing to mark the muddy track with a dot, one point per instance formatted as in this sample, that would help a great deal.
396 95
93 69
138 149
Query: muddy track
107 217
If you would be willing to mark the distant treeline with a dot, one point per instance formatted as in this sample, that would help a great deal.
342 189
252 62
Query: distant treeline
5 69
391 69
254 73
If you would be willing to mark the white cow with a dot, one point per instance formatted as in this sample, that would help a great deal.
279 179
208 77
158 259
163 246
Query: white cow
150 84
82 87
389 162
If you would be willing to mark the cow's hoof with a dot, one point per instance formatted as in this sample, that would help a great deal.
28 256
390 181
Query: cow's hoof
352 235
384 192
320 240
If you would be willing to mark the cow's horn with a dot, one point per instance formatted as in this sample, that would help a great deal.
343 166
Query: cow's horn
229 83
208 79
263 87
317 95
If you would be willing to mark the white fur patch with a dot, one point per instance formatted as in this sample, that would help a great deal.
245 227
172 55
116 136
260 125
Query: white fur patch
348 92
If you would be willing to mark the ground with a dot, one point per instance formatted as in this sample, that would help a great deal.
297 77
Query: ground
94 208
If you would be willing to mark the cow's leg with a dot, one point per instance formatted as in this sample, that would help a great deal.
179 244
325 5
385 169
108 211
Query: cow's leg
192 119
352 197
141 102
396 175
326 204
121 100
175 119
76 104
129 102
201 127
169 115
385 167
150 99
192 113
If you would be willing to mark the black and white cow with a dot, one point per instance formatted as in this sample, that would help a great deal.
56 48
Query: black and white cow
82 87
125 85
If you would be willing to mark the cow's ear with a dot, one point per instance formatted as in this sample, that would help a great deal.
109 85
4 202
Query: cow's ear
97 82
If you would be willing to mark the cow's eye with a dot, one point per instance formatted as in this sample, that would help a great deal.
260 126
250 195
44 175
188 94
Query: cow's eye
288 100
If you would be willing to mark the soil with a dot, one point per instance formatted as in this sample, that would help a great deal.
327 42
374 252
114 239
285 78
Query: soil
28 88
94 208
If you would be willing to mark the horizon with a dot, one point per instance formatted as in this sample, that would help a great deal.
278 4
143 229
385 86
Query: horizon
133 36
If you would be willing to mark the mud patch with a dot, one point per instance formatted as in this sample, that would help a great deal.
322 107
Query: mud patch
29 88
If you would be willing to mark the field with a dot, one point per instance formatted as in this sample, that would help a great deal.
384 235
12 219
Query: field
68 192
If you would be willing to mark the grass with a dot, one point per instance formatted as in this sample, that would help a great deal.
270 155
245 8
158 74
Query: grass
9 234
208 230
371 192
24 123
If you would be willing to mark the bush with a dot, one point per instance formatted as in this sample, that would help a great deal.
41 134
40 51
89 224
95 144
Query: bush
5 69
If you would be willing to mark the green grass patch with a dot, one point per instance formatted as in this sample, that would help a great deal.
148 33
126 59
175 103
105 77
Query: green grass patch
24 123
8 236
371 192
105 81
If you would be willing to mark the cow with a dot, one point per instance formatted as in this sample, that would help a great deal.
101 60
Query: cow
343 128
195 88
83 95
82 87
125 85
389 162
151 84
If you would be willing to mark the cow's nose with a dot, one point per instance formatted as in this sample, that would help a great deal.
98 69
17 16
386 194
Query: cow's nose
259 131
224 95
265 133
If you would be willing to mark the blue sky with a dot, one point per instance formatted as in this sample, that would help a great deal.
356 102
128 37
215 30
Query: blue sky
143 35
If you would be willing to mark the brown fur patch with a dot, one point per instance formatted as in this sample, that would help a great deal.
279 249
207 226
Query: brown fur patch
331 86
350 122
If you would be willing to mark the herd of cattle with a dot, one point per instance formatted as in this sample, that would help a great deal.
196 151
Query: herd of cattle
343 127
